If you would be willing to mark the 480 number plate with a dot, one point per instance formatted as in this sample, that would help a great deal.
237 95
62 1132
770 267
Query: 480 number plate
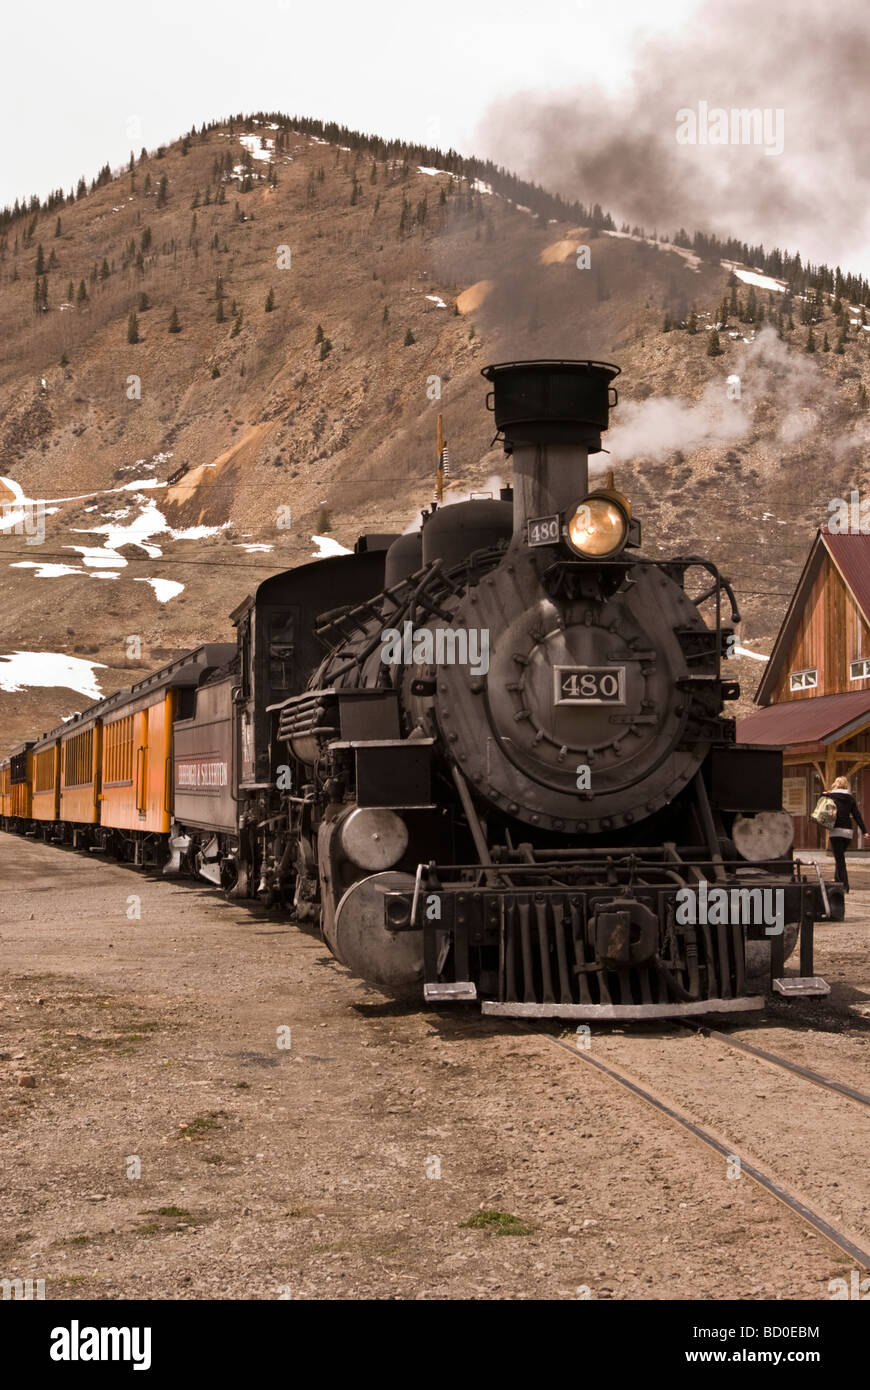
589 685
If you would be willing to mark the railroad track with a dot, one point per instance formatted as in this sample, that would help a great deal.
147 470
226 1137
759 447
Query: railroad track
816 1220
851 1092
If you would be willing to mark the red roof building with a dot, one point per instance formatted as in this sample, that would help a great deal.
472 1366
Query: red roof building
814 699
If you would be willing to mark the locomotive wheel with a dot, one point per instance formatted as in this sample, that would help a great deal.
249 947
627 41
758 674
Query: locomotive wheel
358 938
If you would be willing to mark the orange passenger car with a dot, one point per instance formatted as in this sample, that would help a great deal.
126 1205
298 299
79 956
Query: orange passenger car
137 761
46 778
80 748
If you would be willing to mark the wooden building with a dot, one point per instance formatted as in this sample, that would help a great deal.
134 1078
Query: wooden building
814 699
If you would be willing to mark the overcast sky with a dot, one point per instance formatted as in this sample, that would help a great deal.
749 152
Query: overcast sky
572 92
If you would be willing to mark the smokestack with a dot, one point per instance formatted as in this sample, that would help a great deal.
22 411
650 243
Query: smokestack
551 414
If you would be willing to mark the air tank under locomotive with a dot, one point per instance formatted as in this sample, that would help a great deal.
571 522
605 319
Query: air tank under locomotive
512 769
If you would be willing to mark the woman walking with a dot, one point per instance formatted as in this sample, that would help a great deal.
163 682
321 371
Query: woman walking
840 833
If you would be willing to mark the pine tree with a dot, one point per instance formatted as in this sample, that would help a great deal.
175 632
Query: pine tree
82 295
145 242
40 260
841 343
64 361
325 349
162 192
318 337
386 317
132 327
862 397
692 325
104 270
270 301
826 346
147 189
714 348
57 228
174 325
220 316
811 342
237 325
409 338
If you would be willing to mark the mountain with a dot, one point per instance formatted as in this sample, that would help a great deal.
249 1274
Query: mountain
301 295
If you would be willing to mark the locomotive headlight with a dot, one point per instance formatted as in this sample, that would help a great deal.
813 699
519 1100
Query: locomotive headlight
599 527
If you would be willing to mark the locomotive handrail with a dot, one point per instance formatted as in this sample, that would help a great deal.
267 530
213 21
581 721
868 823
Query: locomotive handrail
686 561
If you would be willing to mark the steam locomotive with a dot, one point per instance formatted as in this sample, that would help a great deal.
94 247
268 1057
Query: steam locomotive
495 766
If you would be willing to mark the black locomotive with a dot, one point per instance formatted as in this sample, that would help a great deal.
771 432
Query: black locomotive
512 756
497 767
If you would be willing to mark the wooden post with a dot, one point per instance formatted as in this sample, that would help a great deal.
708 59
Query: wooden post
439 471
830 766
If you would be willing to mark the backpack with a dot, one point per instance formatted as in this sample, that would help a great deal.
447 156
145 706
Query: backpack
824 812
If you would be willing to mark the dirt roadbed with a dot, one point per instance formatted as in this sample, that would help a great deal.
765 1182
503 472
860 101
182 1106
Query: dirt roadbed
197 1101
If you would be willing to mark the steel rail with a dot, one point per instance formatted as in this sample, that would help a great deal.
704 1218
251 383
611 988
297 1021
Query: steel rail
850 1092
764 1180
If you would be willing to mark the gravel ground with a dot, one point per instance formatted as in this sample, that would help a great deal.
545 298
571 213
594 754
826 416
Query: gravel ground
160 1139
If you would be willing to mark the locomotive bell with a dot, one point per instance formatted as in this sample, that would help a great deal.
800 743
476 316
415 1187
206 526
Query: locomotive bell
551 413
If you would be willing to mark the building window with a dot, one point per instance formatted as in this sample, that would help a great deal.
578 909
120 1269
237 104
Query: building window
858 670
803 680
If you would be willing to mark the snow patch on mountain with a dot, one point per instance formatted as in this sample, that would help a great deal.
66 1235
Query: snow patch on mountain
19 670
